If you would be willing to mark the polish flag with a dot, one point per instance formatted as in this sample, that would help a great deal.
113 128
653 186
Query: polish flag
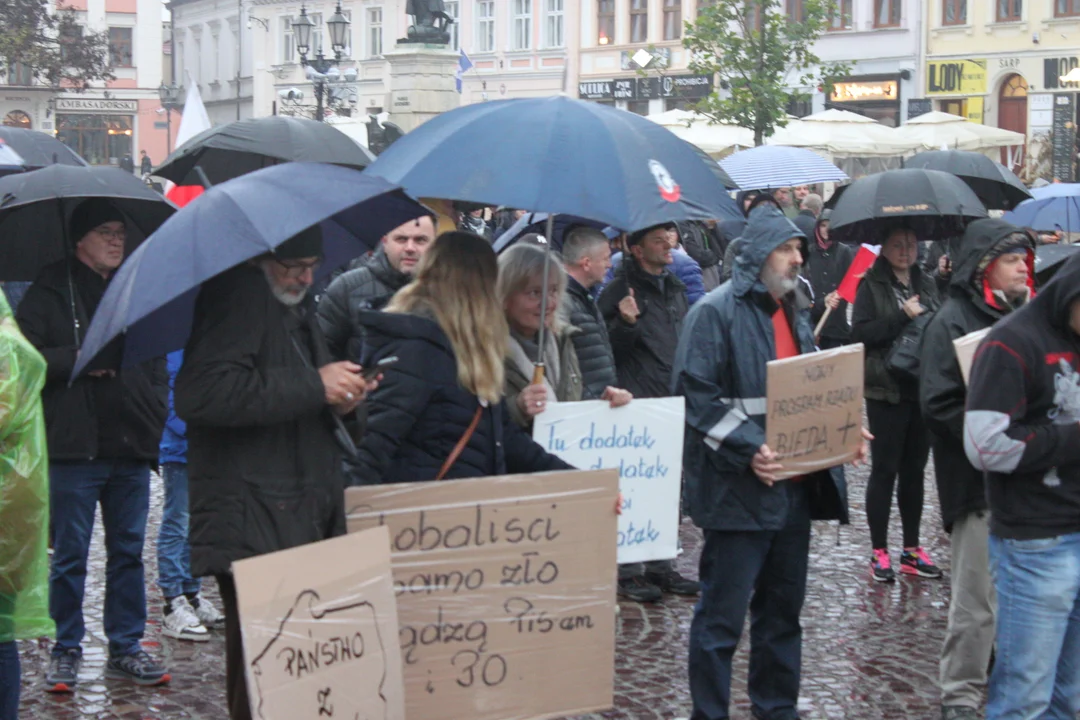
194 121
863 260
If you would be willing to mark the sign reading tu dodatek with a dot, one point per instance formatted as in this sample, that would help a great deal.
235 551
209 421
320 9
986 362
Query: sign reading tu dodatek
644 442
814 419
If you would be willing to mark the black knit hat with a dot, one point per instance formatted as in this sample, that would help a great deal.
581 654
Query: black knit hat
91 214
638 235
304 244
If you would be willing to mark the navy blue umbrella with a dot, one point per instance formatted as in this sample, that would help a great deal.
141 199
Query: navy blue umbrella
152 296
558 155
1052 207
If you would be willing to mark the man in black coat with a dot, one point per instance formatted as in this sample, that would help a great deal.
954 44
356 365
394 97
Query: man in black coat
258 392
644 307
372 283
103 432
993 275
826 264
704 242
587 257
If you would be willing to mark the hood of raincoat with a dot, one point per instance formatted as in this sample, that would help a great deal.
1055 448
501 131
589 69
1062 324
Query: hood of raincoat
766 230
983 238
24 488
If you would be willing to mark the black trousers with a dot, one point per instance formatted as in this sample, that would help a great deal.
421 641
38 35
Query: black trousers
236 692
900 448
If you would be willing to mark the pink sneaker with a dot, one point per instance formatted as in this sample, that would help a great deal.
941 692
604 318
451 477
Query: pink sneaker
881 567
917 562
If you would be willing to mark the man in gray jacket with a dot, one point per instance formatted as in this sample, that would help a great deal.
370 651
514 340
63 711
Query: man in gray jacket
757 530
374 280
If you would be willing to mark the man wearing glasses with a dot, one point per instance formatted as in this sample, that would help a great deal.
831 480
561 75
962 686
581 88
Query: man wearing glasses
103 434
259 394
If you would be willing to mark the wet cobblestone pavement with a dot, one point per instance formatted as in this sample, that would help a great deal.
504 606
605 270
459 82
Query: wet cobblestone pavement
870 650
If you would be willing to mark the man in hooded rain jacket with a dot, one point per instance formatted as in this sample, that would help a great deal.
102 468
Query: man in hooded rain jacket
757 532
993 276
24 505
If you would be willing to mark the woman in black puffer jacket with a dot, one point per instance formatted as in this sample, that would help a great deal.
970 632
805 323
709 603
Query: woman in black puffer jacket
449 333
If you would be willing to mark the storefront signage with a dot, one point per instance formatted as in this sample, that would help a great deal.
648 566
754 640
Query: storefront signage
956 77
1064 136
691 87
1054 68
16 98
919 106
864 91
96 105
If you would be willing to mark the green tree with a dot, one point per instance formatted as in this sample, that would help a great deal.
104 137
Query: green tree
758 51
56 47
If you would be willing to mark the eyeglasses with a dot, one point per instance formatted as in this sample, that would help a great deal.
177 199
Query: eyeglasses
296 270
111 234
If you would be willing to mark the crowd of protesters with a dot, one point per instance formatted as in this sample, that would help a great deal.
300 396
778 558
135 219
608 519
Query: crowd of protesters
267 415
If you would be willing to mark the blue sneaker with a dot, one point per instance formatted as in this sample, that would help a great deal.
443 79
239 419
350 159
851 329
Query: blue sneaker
138 667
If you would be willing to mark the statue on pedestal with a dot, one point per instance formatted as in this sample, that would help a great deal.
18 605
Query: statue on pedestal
429 22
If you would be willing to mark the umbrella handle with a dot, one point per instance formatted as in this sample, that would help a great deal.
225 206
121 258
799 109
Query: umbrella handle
538 374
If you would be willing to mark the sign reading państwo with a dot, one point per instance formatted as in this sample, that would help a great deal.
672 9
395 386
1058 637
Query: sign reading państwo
814 418
644 442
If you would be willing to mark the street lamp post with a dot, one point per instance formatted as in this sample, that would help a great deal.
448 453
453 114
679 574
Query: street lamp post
320 69
170 100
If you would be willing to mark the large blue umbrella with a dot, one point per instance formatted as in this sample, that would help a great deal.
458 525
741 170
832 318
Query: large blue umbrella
152 296
558 155
777 166
1052 207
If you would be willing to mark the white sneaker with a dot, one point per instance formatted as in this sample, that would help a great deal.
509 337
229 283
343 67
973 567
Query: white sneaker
182 623
208 615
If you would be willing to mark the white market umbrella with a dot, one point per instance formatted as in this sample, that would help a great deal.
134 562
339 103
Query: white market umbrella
935 130
840 132
717 139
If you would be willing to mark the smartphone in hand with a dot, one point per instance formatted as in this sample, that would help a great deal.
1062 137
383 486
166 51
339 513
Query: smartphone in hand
370 373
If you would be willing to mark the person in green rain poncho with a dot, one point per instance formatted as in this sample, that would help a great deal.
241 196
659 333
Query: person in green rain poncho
24 505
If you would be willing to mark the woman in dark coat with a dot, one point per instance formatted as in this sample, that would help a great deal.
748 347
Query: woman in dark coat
449 333
892 294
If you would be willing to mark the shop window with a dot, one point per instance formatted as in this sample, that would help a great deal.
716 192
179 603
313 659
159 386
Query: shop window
1009 10
886 13
954 12
100 139
672 19
639 21
840 15
17 118
678 104
1067 8
638 107
800 105
605 22
954 107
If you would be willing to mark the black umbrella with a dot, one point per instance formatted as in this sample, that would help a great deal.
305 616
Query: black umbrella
997 187
935 204
39 149
1049 258
232 150
35 208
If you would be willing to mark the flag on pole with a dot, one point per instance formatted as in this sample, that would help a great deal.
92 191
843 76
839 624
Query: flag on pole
194 121
464 64
863 260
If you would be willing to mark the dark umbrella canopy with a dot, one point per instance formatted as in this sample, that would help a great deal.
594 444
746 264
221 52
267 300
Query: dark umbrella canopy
995 185
560 155
35 207
39 149
152 296
229 151
935 204
1049 258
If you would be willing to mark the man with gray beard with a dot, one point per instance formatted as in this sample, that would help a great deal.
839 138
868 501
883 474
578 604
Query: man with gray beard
756 530
259 394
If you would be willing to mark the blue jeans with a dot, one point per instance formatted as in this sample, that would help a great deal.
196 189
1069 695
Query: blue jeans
173 550
765 572
122 487
1037 662
9 680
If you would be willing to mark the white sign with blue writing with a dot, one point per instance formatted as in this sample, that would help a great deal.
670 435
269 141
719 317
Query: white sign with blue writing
644 441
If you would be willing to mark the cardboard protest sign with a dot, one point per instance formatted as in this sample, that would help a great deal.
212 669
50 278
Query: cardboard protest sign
505 591
814 418
320 630
965 350
644 442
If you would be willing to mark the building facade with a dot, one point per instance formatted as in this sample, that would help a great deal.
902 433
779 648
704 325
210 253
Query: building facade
1001 62
116 119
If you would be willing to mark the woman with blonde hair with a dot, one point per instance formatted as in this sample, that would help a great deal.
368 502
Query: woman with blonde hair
439 411
520 291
